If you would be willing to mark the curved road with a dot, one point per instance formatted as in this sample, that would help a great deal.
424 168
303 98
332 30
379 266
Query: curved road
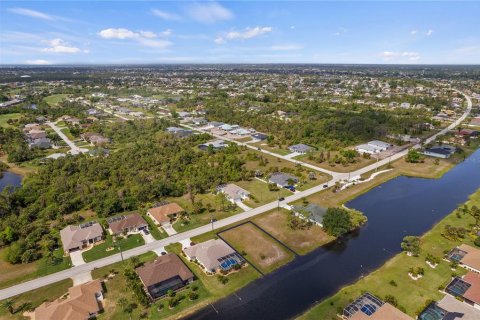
69 273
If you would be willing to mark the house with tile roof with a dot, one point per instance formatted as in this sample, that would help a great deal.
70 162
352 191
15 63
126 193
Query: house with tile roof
78 237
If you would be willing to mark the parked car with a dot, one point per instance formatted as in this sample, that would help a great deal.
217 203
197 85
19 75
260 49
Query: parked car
291 188
146 232
325 186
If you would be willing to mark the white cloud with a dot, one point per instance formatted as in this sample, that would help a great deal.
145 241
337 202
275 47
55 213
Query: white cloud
408 55
340 32
166 15
209 12
429 33
145 38
248 33
59 46
413 32
119 33
38 62
31 13
286 47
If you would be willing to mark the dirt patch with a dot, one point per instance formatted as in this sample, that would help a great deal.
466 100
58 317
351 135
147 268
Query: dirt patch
263 251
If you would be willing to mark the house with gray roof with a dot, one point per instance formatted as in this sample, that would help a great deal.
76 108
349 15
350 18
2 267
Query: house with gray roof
300 148
281 179
311 212
216 145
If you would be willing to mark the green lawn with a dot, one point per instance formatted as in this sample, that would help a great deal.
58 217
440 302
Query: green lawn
55 99
17 273
200 219
5 117
67 132
411 295
262 195
35 298
265 146
100 251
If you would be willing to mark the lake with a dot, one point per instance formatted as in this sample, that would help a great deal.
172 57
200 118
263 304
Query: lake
10 178
402 206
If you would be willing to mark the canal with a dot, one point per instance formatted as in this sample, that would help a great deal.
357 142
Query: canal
402 206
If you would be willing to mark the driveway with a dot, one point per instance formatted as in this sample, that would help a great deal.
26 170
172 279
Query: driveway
159 251
147 237
169 229
243 206
77 258
82 278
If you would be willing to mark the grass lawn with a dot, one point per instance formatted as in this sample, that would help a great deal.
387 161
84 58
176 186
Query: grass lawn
302 241
259 248
411 295
200 219
360 162
156 232
55 99
67 132
261 193
265 146
100 251
16 273
36 297
5 117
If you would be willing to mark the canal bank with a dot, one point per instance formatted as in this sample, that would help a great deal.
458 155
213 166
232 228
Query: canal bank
399 207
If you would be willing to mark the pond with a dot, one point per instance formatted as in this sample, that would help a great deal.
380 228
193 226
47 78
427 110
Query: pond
402 206
10 178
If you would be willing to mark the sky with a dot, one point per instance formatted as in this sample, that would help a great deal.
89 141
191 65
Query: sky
155 32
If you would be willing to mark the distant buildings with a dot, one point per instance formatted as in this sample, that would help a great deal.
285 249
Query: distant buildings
179 132
77 237
216 145
166 273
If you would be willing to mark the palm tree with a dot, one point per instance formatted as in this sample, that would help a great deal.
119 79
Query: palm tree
9 305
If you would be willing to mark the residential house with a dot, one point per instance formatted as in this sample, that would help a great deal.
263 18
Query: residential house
199 121
83 302
380 145
300 148
95 138
165 213
213 255
259 137
166 273
369 307
405 105
475 121
41 143
366 148
77 237
441 151
466 256
214 124
311 212
466 288
125 224
233 192
216 145
282 179
179 132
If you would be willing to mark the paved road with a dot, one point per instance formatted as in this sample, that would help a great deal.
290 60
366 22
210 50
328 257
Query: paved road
72 272
73 148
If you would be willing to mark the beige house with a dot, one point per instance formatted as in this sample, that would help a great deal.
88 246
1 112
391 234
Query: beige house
164 214
213 255
77 237
83 302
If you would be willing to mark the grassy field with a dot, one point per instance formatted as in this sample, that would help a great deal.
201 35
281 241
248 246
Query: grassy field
67 132
265 146
5 117
55 99
200 219
260 249
301 241
360 162
411 295
101 250
261 193
36 298
16 273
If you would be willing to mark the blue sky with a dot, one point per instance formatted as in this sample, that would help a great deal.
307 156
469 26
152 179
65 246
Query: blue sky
116 32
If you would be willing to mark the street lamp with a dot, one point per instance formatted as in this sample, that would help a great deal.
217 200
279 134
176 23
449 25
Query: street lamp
119 247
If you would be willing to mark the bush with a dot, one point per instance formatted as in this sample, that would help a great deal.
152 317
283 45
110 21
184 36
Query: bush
477 241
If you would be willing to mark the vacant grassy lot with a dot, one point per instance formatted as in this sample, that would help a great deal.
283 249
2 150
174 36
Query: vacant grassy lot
5 117
199 219
302 241
259 190
102 250
263 251
67 132
55 99
16 273
410 294
360 162
265 146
